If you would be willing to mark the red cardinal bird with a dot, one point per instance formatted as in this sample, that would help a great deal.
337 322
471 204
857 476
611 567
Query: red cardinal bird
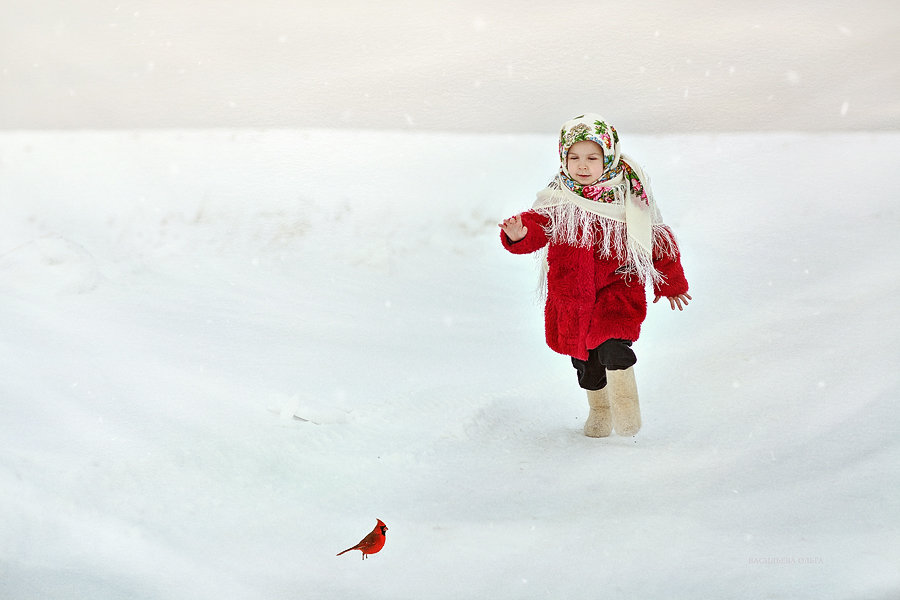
372 543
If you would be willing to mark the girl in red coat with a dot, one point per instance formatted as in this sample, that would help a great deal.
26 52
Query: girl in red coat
602 239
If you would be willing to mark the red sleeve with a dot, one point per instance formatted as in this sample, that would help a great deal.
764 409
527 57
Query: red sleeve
534 239
667 260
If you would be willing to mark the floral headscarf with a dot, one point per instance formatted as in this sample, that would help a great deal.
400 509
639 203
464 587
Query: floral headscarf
592 127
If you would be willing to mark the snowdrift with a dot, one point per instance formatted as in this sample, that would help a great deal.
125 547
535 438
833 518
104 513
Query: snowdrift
226 353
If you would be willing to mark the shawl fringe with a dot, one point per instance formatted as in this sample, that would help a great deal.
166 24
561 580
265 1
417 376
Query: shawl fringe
572 226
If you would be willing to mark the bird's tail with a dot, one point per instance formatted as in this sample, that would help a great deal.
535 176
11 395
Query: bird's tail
345 551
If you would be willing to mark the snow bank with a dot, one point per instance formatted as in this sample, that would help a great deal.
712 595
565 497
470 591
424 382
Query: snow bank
226 353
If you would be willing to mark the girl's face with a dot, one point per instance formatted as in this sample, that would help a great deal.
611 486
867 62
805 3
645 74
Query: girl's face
585 162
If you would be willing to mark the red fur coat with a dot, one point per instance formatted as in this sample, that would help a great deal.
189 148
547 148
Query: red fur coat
588 301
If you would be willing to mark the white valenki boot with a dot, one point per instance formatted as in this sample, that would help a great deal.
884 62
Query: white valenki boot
626 412
599 421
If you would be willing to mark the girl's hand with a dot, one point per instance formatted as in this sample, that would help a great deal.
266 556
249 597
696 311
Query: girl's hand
513 228
680 300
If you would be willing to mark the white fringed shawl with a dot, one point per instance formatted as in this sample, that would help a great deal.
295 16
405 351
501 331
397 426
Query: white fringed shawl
623 221
625 229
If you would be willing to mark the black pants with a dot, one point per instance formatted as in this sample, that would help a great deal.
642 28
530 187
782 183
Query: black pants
612 354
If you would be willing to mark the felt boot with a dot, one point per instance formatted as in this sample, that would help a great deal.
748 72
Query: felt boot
626 412
599 421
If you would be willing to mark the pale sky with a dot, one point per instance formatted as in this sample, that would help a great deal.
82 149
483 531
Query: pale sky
476 66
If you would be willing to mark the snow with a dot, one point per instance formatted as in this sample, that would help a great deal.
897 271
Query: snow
227 352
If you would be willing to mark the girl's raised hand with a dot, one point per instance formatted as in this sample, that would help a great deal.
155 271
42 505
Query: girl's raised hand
679 301
513 228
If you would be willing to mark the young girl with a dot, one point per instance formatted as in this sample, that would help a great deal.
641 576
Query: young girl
602 238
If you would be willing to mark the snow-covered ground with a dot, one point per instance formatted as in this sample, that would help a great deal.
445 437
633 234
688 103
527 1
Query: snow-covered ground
224 354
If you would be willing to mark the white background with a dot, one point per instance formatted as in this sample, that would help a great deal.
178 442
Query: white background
469 65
